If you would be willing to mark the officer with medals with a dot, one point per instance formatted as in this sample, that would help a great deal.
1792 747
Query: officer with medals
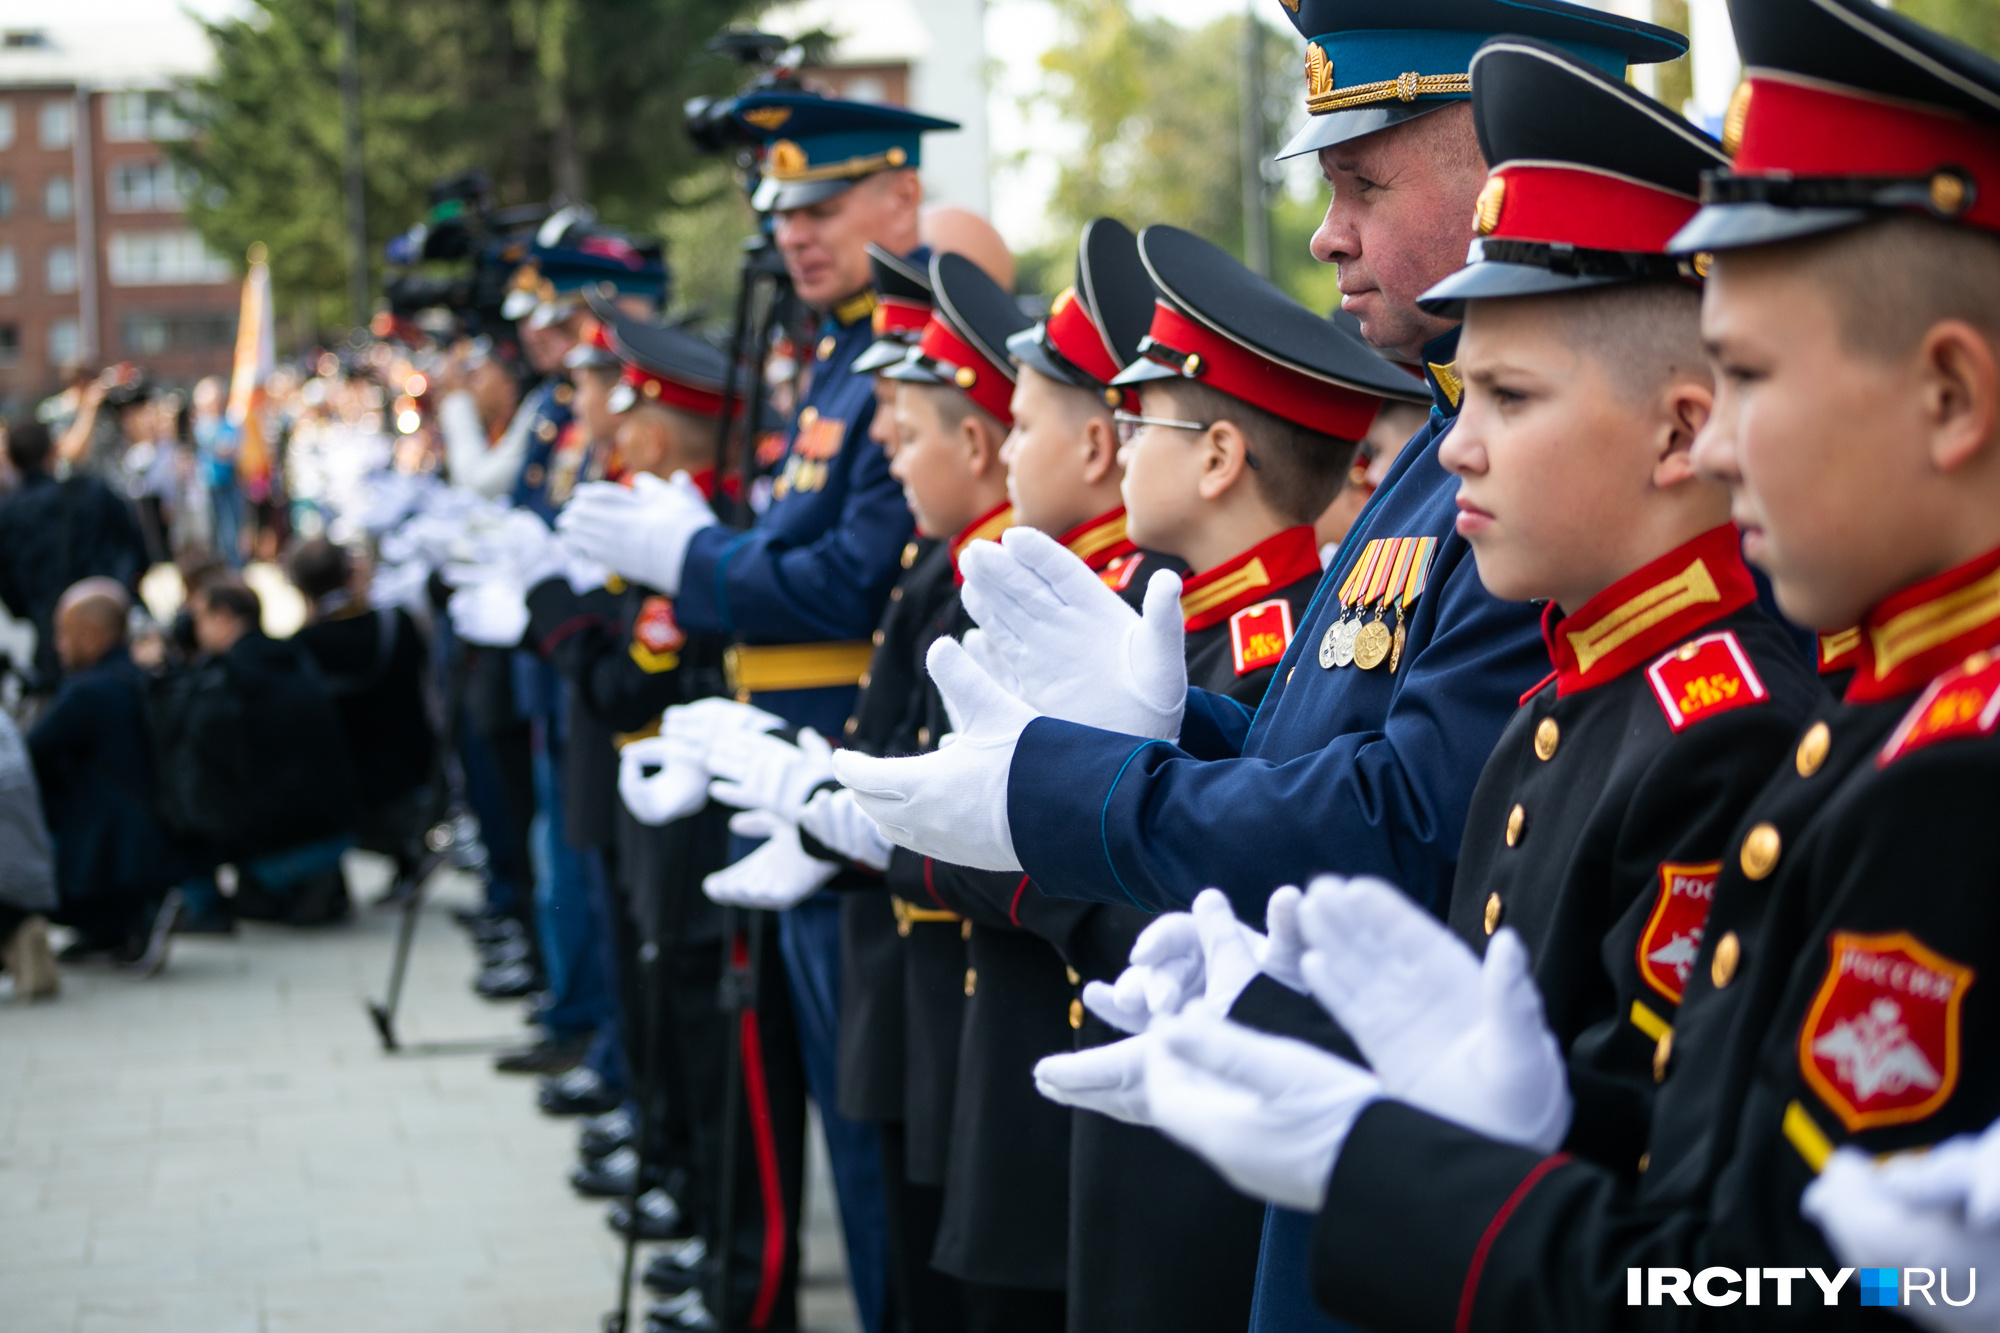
1365 762
1833 1014
801 591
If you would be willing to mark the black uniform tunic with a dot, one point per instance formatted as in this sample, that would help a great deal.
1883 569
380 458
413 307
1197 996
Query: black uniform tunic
1833 1000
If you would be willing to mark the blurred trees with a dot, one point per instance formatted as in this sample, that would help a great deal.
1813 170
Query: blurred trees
549 96
1974 22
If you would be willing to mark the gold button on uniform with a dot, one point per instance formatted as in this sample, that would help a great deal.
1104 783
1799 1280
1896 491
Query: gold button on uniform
877 638
1812 749
896 594
1075 977
1517 819
1645 1160
965 930
1760 851
863 682
1728 953
909 555
853 725
1663 1050
971 981
1075 1014
1493 910
826 347
1547 736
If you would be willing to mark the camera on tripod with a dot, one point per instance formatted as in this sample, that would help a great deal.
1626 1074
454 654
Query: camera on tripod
712 123
483 244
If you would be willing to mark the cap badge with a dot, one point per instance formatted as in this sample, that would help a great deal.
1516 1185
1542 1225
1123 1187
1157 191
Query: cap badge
1950 195
787 158
768 118
1733 119
1319 71
1486 209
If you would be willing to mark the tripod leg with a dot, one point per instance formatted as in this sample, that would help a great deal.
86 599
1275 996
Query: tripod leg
384 1014
743 943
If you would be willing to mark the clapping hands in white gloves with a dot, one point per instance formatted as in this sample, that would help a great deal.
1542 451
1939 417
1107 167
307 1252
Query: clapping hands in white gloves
755 770
491 613
777 875
1270 1113
1464 1040
842 826
951 803
1938 1210
675 787
641 531
490 606
1077 651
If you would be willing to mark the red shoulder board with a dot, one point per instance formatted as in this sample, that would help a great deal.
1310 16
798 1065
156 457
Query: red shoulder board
656 635
1964 701
1672 937
1118 574
1706 675
1880 1044
1259 635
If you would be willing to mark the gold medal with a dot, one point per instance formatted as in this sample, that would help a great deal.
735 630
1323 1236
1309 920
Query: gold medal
1396 646
1372 643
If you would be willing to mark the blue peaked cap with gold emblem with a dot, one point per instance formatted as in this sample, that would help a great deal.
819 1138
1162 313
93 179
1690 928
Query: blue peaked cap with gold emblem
815 147
1371 64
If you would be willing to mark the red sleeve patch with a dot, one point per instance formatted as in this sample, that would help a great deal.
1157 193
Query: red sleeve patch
1259 635
1880 1044
656 636
1672 937
1704 676
1118 574
1964 701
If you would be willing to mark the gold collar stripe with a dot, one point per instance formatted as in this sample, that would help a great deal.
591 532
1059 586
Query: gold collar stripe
1839 644
1405 87
1449 381
1922 628
1252 575
1691 587
988 531
856 308
1106 534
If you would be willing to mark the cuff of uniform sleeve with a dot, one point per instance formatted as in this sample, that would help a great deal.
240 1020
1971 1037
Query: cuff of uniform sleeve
703 601
1414 1205
1214 726
1058 827
554 613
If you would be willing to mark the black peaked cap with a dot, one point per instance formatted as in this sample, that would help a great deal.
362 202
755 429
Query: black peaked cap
1861 45
1115 292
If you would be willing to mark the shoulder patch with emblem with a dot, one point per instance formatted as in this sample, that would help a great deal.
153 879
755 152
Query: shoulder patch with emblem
1964 701
656 636
1672 938
1708 674
1880 1045
1259 635
1118 574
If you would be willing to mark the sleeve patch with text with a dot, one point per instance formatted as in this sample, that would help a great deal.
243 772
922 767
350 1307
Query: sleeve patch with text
1259 635
1706 675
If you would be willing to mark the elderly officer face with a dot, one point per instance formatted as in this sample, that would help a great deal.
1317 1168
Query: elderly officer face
1400 220
825 245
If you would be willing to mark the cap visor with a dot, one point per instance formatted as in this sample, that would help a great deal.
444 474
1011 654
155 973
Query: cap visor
622 399
1144 371
1338 127
1738 226
1490 280
776 196
913 372
882 352
1026 347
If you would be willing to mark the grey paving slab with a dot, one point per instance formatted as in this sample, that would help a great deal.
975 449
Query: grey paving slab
226 1149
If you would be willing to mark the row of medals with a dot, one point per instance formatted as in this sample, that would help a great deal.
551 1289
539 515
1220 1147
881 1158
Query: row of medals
1349 641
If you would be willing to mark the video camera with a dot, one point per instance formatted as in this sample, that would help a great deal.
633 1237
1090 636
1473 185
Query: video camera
711 121
483 243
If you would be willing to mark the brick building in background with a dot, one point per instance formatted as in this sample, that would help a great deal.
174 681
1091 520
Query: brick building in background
97 261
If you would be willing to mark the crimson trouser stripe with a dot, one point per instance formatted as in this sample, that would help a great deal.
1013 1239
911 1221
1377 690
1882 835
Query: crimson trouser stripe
1471 1289
757 1096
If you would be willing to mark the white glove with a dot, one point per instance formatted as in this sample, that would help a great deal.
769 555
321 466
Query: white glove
777 875
1110 1080
1205 954
841 825
979 647
1461 1039
491 613
675 791
1963 1172
1869 1218
1270 1113
643 531
700 722
951 803
1080 652
755 770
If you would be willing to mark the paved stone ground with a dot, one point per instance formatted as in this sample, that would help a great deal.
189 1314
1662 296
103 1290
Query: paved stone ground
227 1150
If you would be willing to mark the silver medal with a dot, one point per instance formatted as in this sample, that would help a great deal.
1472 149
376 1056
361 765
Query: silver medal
1337 648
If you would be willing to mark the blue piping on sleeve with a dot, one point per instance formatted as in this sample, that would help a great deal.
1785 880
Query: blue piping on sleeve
1104 832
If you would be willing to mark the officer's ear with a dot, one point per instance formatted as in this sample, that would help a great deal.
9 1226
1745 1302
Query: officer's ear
1961 392
1685 404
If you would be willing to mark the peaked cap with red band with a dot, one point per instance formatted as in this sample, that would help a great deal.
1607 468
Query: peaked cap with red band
902 306
1592 178
1849 112
1217 323
964 344
1093 329
663 363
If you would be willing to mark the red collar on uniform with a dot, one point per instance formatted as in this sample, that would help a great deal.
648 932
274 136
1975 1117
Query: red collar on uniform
1280 560
1928 627
1837 651
987 527
1648 611
704 481
1100 541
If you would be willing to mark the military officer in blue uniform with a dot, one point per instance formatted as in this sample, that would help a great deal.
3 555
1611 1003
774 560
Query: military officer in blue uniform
800 592
1362 757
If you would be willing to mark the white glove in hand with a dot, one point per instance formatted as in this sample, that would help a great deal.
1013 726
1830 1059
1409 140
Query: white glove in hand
700 722
492 613
1110 1080
979 647
643 531
1210 955
777 875
1865 1210
1080 652
1270 1113
1461 1039
676 790
1963 1172
841 825
951 803
758 771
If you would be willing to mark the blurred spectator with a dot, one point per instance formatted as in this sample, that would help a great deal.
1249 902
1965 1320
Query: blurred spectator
215 442
27 873
484 422
114 861
147 465
373 664
54 533
254 764
1394 425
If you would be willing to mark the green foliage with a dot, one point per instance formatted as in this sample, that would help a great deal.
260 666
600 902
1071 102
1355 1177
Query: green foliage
1673 79
548 96
1974 22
